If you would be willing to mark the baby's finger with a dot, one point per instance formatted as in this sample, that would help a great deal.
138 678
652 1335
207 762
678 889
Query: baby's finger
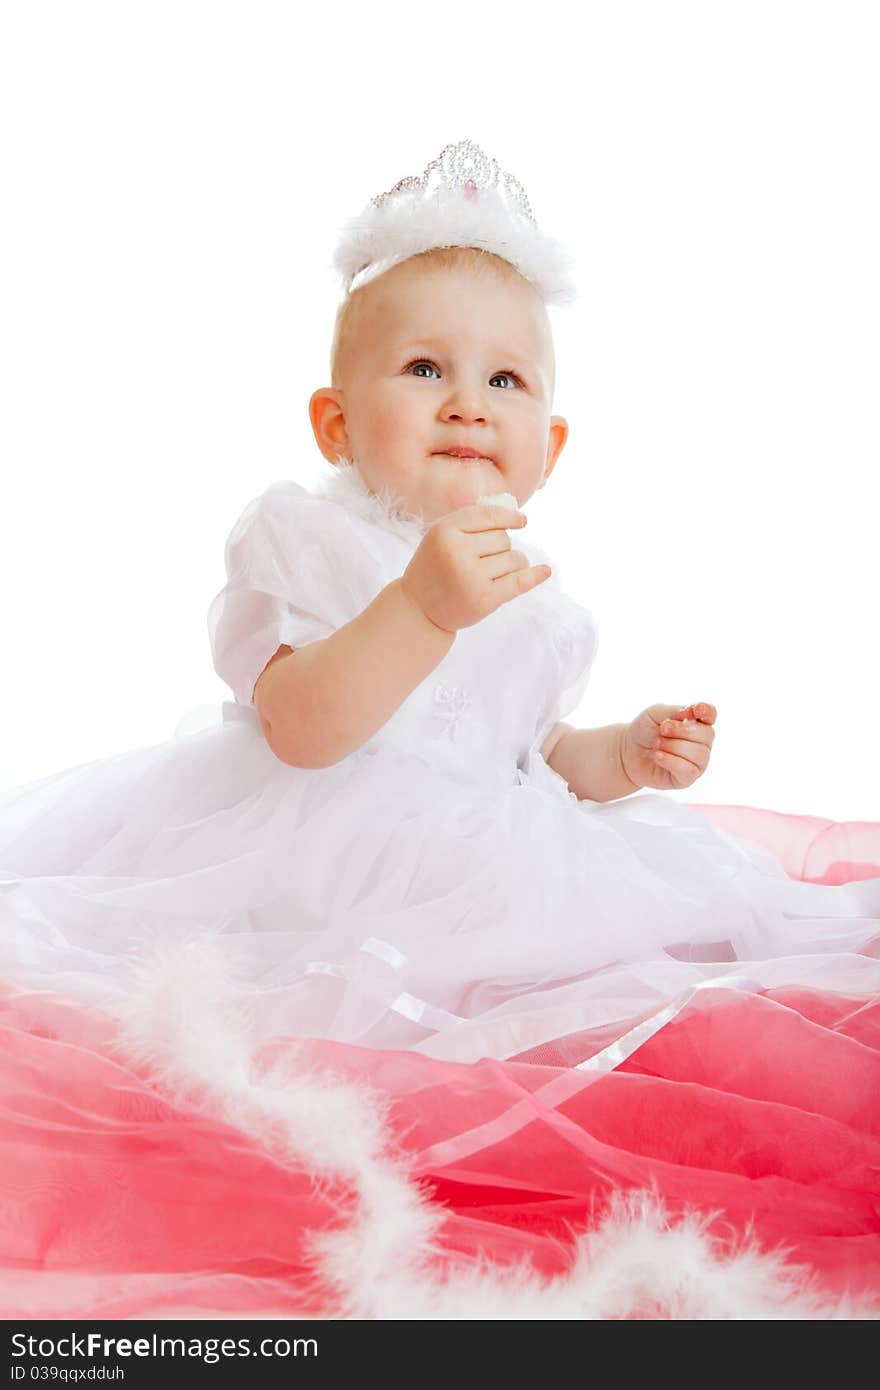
699 733
679 749
521 579
703 712
497 564
488 516
682 769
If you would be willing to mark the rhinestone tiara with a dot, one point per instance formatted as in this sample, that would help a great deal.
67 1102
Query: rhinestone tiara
462 198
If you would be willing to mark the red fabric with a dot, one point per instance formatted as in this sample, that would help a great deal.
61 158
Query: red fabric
763 1108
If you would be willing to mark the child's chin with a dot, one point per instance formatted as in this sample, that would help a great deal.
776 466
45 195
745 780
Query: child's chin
464 493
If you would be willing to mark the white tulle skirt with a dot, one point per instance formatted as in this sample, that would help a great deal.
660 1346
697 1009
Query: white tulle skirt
381 903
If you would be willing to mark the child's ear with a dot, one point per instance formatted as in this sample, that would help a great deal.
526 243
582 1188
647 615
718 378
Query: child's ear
327 416
556 443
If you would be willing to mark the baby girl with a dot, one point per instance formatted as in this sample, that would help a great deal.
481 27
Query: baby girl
443 379
382 908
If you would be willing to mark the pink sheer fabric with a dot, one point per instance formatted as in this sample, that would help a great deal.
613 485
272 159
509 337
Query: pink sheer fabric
810 848
760 1109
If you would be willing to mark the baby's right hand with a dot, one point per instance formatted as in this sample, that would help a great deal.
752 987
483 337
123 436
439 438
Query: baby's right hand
465 568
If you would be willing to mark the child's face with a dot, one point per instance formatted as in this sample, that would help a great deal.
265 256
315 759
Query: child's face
443 358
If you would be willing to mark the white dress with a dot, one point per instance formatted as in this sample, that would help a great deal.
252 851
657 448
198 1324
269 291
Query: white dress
440 889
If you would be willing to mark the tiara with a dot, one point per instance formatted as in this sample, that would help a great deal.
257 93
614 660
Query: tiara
462 198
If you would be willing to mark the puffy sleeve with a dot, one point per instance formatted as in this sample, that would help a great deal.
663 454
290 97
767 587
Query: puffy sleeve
574 641
298 567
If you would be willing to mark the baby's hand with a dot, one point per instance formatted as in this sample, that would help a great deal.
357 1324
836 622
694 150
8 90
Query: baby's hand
667 746
465 568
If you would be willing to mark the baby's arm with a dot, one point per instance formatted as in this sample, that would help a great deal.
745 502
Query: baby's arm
589 761
320 702
551 741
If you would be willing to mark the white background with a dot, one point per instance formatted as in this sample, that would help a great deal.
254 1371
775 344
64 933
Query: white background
173 178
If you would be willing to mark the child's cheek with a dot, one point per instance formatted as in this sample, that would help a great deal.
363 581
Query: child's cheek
391 422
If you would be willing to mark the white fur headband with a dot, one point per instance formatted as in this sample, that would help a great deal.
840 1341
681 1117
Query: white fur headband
462 198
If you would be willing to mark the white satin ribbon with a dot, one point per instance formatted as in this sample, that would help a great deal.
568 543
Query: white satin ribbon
566 1084
439 1020
624 1047
407 1005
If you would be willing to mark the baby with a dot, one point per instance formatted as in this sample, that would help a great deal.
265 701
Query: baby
443 378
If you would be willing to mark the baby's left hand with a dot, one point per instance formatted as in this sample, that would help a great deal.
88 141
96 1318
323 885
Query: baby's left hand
668 747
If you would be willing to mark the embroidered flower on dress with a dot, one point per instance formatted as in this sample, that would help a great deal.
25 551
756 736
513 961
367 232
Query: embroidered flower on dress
454 702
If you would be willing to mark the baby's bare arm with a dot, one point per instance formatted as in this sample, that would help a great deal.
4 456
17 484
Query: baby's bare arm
320 702
590 761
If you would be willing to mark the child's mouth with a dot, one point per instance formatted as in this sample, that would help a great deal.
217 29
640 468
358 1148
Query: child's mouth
464 458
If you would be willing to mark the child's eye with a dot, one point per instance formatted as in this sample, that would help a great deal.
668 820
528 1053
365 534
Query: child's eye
423 362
